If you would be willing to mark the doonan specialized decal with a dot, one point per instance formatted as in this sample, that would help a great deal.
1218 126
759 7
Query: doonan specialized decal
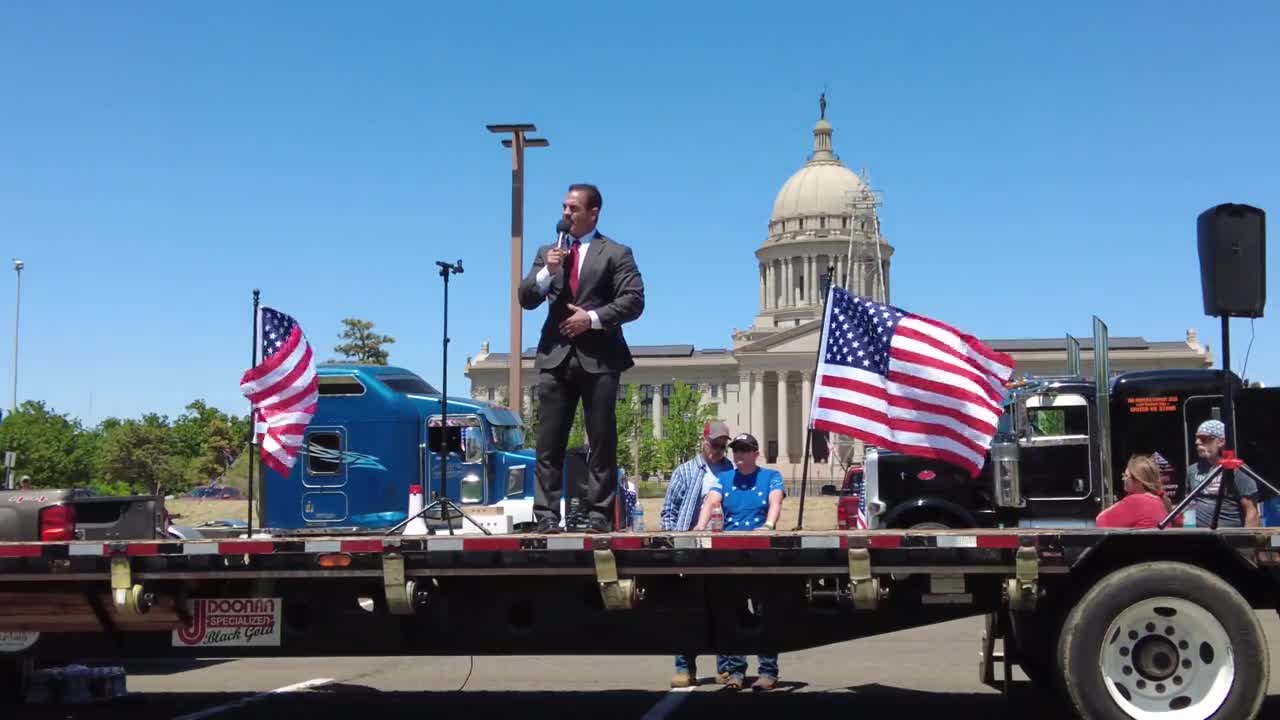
231 622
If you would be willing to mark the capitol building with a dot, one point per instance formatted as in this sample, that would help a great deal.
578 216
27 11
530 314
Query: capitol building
825 215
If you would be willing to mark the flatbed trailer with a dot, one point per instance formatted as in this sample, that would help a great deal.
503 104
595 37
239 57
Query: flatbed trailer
1125 623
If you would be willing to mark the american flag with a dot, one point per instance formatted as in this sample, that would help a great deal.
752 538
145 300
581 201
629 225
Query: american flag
282 389
907 383
860 521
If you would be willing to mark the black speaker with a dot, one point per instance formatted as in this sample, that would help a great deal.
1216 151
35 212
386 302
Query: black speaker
1233 260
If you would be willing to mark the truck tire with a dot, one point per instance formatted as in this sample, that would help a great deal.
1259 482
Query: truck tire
1163 639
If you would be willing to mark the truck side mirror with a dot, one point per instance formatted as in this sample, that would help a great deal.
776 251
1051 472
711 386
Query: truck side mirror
829 490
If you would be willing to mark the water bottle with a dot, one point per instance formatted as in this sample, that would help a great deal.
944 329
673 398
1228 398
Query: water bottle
716 523
637 518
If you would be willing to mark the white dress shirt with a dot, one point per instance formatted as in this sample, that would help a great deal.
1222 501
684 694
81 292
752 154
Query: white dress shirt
543 277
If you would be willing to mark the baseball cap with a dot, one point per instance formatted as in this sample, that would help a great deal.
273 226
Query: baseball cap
744 441
716 429
1212 427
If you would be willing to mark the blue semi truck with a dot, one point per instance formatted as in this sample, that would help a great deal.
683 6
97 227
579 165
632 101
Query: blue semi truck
377 431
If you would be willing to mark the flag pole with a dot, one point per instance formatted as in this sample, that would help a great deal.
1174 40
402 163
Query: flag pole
808 431
252 420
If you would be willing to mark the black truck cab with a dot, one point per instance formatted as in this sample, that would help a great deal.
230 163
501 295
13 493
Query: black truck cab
1057 457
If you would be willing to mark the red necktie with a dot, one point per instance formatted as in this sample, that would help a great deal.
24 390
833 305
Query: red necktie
573 268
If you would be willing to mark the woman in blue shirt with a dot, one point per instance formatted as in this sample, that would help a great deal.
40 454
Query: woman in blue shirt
751 499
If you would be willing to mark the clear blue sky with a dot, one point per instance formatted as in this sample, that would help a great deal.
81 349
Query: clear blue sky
1039 165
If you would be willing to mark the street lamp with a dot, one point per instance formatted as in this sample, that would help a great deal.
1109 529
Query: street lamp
17 315
518 142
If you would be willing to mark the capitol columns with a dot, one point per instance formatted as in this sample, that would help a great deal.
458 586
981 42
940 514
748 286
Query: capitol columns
810 290
784 418
756 422
806 399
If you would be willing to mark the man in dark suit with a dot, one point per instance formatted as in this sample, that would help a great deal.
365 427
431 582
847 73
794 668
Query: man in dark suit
592 286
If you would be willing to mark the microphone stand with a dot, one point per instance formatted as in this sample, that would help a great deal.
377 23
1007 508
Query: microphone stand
442 499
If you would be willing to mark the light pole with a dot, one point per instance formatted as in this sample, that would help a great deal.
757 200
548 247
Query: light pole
17 315
518 142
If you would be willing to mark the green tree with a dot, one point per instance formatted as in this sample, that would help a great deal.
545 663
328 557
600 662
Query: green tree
52 448
216 453
191 427
141 454
362 343
682 426
208 440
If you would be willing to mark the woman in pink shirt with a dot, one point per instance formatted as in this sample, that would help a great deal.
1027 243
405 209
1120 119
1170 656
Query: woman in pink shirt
1144 504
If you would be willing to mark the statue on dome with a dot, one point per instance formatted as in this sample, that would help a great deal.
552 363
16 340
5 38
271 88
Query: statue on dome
822 105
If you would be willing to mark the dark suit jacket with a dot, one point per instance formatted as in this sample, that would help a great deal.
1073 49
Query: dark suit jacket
610 284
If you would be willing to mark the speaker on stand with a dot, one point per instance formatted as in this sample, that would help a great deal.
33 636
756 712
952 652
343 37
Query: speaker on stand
1232 243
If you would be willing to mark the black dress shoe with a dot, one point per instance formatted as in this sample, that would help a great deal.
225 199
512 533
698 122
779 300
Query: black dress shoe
548 526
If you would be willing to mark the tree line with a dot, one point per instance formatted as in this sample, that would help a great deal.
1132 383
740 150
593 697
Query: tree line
154 454
147 455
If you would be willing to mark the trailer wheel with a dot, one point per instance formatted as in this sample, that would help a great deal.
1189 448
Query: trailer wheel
1035 635
1164 640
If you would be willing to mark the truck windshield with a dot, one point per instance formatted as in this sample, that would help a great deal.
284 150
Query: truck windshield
506 437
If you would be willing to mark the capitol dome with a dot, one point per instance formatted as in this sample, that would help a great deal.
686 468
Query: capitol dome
822 188
824 225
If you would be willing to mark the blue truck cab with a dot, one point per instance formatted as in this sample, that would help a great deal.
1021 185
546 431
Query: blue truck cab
377 431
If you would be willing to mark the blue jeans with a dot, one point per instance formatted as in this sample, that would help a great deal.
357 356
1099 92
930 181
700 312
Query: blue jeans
689 664
766 665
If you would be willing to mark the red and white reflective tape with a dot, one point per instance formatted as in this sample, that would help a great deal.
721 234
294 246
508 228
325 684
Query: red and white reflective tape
729 541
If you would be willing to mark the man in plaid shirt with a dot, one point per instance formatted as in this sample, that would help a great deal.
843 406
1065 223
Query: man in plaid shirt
689 484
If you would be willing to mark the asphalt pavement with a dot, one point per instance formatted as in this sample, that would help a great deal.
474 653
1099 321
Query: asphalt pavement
925 672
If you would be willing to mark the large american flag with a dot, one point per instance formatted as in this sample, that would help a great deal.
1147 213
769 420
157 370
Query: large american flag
906 382
282 389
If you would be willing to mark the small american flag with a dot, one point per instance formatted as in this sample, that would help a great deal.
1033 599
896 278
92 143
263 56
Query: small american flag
907 383
282 389
860 522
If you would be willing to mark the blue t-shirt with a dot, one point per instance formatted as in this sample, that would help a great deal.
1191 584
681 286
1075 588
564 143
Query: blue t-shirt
746 497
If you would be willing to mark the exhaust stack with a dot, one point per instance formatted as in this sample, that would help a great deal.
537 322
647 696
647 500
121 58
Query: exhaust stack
1102 406
1073 357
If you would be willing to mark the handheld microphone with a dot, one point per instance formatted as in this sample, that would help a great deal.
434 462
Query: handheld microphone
562 232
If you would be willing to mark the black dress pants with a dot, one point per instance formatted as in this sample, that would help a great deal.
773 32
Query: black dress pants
559 390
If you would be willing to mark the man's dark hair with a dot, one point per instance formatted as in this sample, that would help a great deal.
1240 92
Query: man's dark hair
593 194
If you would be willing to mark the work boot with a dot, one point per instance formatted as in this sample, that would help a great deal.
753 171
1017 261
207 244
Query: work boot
683 680
722 678
734 681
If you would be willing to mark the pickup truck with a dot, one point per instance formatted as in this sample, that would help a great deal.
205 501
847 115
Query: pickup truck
66 514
